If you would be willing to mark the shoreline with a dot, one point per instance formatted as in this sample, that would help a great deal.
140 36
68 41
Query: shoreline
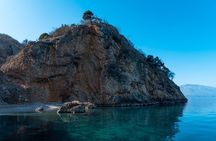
29 108
55 106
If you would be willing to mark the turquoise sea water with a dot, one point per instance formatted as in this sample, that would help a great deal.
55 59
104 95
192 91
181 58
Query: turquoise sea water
195 121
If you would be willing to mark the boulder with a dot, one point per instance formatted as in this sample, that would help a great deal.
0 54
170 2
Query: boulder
76 107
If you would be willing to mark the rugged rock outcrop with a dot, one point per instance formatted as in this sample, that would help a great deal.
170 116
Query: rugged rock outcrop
90 62
76 107
10 92
8 47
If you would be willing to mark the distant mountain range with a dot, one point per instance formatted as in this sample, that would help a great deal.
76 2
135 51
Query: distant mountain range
198 90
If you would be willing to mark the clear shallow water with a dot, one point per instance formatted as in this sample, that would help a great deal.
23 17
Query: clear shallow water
193 121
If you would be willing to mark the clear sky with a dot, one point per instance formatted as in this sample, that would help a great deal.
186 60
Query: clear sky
181 32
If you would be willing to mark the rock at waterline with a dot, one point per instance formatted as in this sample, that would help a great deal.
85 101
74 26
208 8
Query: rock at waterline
39 109
76 107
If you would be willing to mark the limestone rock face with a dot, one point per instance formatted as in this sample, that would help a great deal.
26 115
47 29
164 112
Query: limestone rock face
8 47
10 92
89 63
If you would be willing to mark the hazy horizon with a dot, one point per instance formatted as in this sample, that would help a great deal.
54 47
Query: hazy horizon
181 33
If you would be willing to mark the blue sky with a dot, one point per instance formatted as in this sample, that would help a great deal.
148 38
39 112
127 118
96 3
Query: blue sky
181 32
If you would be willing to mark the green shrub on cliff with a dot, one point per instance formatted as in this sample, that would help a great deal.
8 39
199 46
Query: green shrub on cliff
88 15
156 62
43 36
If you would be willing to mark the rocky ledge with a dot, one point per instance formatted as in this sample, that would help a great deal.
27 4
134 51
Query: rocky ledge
76 107
89 62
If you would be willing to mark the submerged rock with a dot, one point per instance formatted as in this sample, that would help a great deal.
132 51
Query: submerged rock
39 109
76 107
91 62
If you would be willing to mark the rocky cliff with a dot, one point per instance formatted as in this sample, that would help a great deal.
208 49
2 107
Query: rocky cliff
89 62
10 92
8 47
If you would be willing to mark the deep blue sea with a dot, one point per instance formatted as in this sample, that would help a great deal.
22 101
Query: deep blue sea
194 121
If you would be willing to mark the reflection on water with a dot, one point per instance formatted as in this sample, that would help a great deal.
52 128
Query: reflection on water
152 123
31 127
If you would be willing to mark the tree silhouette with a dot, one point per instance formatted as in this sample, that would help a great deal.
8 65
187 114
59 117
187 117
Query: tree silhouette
156 62
25 42
169 74
43 36
87 15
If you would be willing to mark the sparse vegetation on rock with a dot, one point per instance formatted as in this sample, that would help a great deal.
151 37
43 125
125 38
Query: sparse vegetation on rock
43 36
91 62
88 15
156 62
25 42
